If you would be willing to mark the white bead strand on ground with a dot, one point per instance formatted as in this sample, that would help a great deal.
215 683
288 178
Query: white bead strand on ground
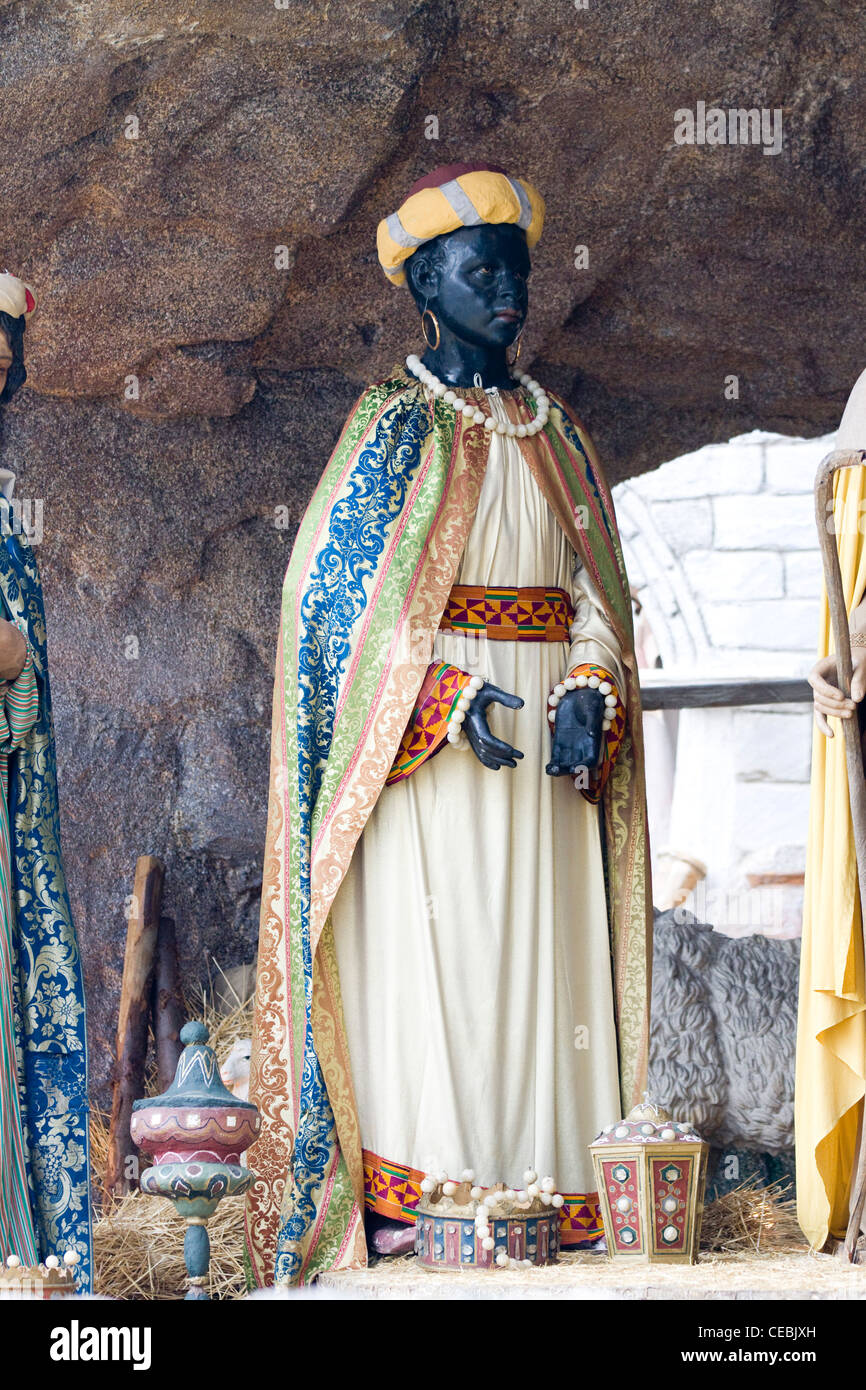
494 1204
471 413
455 735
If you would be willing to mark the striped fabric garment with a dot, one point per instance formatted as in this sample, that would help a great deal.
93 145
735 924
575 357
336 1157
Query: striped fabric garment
374 561
19 709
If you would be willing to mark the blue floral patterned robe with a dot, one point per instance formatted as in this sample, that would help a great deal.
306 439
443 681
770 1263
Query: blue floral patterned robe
47 988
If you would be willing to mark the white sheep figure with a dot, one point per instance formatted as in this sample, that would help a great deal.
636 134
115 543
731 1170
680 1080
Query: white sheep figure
235 1070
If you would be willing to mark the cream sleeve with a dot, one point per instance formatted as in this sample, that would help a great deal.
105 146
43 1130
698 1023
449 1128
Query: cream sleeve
592 637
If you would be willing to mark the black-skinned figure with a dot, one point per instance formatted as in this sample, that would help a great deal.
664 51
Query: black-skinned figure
453 958
473 284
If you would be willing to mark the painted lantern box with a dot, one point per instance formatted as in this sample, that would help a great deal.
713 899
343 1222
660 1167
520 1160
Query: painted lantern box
651 1172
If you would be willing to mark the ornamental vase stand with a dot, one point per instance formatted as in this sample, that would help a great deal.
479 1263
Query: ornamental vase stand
197 1133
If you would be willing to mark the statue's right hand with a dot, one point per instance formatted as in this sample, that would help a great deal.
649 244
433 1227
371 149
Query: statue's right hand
828 700
492 752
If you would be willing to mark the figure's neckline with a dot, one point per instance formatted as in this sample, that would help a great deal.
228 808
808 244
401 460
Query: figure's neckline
465 400
515 390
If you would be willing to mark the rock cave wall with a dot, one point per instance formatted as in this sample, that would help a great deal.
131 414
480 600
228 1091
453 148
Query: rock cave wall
188 377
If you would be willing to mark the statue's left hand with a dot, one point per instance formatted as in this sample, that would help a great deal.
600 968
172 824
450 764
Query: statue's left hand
577 733
13 651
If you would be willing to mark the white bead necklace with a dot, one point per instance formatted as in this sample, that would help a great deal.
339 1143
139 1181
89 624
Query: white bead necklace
471 413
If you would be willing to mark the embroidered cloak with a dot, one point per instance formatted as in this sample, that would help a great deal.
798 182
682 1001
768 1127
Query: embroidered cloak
370 574
47 990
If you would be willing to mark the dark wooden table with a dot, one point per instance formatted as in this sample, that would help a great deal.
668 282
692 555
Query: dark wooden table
706 694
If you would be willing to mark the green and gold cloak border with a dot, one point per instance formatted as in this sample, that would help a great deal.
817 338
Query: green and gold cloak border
49 991
370 573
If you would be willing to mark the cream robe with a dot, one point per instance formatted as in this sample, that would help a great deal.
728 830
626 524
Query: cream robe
471 928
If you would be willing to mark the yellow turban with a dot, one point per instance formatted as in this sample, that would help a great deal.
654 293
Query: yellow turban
16 297
457 195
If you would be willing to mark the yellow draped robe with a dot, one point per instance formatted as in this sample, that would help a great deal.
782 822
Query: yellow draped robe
831 1040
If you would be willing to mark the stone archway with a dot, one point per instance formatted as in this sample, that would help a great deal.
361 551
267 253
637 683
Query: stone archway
721 551
666 595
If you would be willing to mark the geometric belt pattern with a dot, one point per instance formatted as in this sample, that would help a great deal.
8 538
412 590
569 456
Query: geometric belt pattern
392 1189
580 1219
426 731
509 615
612 737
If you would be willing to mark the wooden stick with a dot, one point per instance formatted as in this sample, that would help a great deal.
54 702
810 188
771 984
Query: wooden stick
724 692
167 1004
853 753
131 1051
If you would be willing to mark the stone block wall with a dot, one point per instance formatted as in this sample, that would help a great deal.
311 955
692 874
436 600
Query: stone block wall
722 553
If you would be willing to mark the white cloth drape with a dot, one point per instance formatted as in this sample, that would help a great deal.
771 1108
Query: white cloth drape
471 929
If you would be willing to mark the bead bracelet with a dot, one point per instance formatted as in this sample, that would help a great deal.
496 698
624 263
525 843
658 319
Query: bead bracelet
455 735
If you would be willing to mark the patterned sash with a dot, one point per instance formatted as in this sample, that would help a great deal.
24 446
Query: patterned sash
509 615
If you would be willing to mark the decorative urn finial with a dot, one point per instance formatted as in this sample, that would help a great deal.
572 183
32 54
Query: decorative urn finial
197 1133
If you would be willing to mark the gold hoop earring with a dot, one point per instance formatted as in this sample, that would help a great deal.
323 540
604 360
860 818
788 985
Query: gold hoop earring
428 313
512 361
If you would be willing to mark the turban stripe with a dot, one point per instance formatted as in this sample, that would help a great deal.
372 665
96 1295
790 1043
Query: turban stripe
466 201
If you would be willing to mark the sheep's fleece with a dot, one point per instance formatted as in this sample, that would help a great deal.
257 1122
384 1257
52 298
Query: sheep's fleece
724 1017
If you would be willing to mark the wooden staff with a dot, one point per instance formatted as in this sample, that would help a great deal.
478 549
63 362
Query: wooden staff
167 1004
853 753
135 990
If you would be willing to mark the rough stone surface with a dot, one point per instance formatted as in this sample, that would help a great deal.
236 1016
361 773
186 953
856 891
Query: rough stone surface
155 159
193 190
162 564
